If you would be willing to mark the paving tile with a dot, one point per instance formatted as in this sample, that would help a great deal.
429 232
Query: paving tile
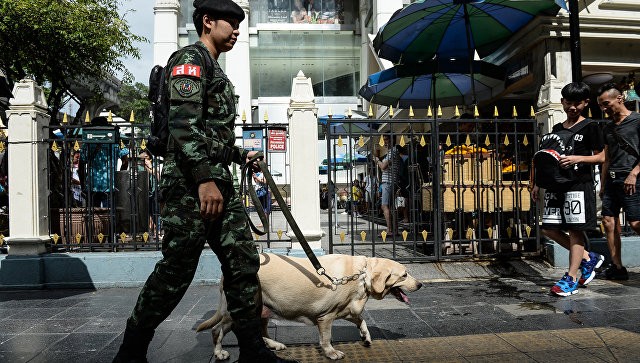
501 358
57 325
480 344
79 342
533 341
564 355
580 338
30 342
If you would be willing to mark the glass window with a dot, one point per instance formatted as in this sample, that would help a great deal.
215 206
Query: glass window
329 58
302 11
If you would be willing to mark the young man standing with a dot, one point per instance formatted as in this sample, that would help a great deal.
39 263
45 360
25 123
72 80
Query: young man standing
556 217
201 204
620 188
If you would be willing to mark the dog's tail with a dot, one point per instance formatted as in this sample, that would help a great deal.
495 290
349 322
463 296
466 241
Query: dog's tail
208 324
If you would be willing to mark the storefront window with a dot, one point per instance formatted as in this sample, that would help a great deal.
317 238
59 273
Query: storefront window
329 58
302 11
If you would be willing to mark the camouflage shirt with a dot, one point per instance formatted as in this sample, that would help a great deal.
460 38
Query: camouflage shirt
191 87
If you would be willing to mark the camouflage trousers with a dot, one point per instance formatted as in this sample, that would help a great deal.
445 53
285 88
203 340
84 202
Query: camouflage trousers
185 234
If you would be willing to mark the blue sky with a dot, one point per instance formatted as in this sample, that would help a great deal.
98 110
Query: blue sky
139 15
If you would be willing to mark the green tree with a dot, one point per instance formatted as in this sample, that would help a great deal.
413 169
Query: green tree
59 42
133 97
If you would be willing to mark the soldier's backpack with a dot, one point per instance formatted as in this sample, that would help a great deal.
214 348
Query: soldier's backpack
159 131
548 173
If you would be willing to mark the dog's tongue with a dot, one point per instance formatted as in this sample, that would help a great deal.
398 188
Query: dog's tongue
400 295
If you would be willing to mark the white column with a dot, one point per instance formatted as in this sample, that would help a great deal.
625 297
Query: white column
238 65
28 203
165 30
383 10
303 133
557 73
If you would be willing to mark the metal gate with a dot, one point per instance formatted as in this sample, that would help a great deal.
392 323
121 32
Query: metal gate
463 193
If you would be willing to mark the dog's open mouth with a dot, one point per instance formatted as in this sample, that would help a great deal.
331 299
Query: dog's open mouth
399 294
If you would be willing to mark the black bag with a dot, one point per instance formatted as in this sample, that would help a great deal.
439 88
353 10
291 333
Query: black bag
548 173
159 132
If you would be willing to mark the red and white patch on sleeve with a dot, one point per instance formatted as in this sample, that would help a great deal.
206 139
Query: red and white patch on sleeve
186 70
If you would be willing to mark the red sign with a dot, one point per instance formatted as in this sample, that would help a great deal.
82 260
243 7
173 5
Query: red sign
186 70
277 141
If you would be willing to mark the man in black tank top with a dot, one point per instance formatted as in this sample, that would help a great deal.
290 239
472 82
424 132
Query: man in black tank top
620 188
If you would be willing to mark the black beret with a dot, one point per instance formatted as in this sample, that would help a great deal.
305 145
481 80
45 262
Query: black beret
220 7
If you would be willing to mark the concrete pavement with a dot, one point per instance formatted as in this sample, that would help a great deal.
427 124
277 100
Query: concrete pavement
466 312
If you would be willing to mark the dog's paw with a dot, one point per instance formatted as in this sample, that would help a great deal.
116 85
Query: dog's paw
221 354
272 344
334 354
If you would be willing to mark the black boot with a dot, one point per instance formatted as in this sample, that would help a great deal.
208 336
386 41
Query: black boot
134 346
252 347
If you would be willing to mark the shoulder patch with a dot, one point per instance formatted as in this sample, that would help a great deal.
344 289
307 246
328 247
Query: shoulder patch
187 87
190 70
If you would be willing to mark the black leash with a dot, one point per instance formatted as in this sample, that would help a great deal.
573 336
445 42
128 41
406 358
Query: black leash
247 182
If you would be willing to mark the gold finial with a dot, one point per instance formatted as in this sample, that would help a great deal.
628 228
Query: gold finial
590 116
439 111
506 140
54 147
340 143
244 117
468 140
143 144
132 117
411 111
2 147
78 238
370 111
525 141
448 141
390 111
429 112
528 230
495 112
123 236
424 235
342 235
145 237
76 146
515 112
402 143
381 141
456 113
87 119
100 237
405 234
533 113
487 142
422 141
509 232
64 118
384 236
475 111
450 233
55 238
110 117
349 113
266 117
279 233
361 141
363 235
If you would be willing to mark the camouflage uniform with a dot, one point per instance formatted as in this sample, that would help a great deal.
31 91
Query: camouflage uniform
192 158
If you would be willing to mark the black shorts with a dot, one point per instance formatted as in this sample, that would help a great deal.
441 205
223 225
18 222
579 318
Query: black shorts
573 210
615 198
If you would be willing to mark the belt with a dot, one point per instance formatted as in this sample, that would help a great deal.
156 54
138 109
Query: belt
619 174
223 153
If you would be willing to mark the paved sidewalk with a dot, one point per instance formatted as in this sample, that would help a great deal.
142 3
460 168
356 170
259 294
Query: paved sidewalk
465 312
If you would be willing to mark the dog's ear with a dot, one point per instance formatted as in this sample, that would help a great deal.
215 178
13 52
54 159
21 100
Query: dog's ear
380 274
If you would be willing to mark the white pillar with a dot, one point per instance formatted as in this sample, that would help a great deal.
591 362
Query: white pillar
383 10
28 203
238 65
303 138
557 71
165 30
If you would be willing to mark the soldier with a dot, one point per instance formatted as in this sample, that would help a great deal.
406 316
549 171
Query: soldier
196 186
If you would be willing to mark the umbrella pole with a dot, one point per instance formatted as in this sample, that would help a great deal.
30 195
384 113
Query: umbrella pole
467 24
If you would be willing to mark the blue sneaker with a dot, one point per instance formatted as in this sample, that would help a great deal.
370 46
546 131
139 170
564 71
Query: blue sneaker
587 268
566 286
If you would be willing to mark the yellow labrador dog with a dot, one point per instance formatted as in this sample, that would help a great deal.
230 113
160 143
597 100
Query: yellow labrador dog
293 290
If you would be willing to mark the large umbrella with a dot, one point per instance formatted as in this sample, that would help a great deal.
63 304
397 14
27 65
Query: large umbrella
448 84
455 28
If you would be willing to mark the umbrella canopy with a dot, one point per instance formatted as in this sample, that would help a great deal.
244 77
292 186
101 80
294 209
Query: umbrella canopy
455 28
405 86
